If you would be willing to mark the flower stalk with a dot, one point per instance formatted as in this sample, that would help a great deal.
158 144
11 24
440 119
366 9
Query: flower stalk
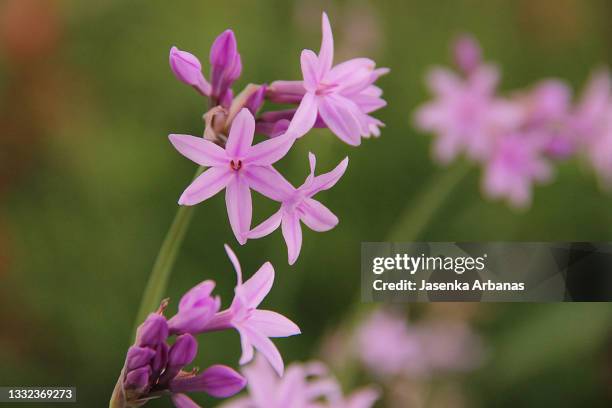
160 274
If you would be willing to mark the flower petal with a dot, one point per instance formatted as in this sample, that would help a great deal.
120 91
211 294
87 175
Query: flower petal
272 324
206 185
310 70
234 260
266 227
305 116
255 289
218 380
196 295
262 381
239 207
326 52
340 115
265 346
241 135
268 181
316 216
199 150
327 180
352 76
246 346
269 151
292 232
183 401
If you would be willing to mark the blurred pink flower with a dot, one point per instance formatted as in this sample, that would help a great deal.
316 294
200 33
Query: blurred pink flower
592 122
466 114
255 326
388 346
237 168
343 95
548 108
516 162
302 386
299 206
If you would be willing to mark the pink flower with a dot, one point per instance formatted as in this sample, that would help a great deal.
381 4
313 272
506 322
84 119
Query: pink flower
548 109
592 122
299 206
302 386
466 113
255 326
237 169
516 163
343 95
387 347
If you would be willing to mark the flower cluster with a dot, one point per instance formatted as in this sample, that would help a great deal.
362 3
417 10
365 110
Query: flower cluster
154 368
516 138
388 346
303 386
339 97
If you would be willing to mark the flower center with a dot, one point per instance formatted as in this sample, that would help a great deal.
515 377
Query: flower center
236 165
324 89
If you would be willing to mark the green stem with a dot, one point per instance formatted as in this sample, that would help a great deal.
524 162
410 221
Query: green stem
160 274
409 227
413 221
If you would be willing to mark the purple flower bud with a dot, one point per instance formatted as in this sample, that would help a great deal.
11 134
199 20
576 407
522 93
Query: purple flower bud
153 331
137 380
466 53
183 351
218 380
160 359
187 69
255 101
195 310
138 357
226 65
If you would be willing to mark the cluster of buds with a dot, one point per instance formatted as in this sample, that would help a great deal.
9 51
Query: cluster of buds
153 368
515 138
339 97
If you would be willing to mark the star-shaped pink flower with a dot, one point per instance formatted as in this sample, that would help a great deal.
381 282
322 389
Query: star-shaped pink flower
254 325
237 169
342 95
298 206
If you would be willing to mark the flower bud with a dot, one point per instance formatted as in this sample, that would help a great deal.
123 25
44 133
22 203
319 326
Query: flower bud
183 351
226 65
153 331
218 380
187 69
137 380
138 357
256 99
466 53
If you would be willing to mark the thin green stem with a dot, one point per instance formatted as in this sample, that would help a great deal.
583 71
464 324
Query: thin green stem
409 227
160 274
415 218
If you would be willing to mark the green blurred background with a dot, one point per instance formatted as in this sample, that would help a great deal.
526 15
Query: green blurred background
89 181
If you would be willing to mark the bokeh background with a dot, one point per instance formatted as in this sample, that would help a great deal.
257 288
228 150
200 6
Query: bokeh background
89 184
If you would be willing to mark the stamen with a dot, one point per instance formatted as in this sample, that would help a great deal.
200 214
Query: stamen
236 165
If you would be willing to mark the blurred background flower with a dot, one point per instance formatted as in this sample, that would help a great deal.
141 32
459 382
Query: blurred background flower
88 187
